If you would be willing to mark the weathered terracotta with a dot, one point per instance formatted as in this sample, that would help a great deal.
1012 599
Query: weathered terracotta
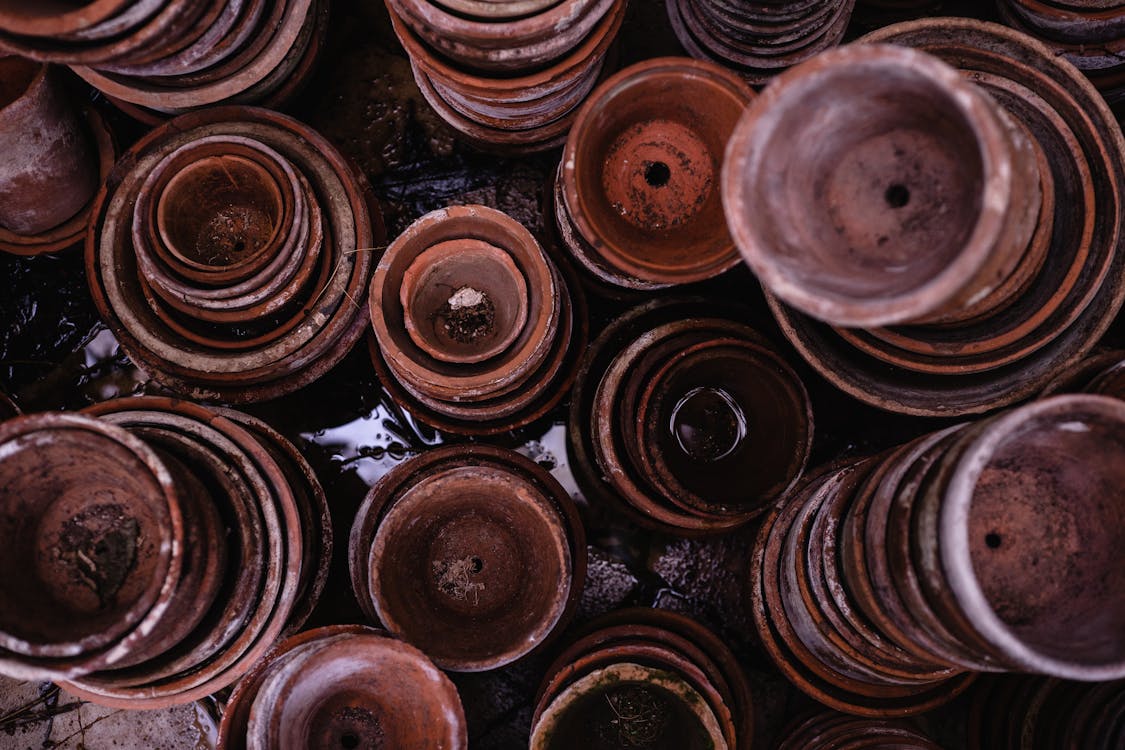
50 171
493 547
866 254
1074 296
640 172
282 353
95 522
828 730
346 686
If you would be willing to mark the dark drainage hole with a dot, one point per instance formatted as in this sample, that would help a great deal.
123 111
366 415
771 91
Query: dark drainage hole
992 540
657 174
349 741
476 565
897 195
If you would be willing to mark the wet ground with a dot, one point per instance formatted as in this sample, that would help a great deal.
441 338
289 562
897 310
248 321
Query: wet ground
55 354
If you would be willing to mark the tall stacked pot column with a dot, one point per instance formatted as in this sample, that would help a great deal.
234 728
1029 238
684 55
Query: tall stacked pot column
880 587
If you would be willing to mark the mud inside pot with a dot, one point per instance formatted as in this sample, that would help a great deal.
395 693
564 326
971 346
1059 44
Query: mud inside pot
54 354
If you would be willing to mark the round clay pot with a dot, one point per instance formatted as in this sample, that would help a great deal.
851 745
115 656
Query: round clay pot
492 544
640 173
856 261
830 730
97 537
362 689
463 301
51 169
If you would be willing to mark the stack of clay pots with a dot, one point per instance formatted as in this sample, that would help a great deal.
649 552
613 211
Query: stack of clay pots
644 678
689 422
933 241
1034 712
636 197
826 731
880 587
156 58
1090 34
474 554
476 329
759 39
157 548
56 156
230 253
507 75
344 686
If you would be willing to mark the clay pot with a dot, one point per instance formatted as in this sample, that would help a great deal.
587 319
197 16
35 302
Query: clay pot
272 520
758 40
663 419
639 176
637 659
96 524
477 329
866 256
51 169
525 99
284 325
826 730
1015 350
927 551
491 548
344 686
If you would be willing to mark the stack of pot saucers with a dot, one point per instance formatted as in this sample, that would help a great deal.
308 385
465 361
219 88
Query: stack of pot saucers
1089 34
271 524
230 252
1037 712
474 554
476 329
507 75
636 197
344 686
828 730
689 422
880 587
157 58
644 678
931 277
758 39
58 153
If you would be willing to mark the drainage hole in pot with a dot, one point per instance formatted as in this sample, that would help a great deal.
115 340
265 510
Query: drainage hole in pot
897 195
476 565
992 539
657 173
349 741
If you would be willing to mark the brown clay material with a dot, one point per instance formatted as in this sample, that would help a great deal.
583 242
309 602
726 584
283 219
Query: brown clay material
50 171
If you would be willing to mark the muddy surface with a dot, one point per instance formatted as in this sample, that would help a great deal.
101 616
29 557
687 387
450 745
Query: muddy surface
54 354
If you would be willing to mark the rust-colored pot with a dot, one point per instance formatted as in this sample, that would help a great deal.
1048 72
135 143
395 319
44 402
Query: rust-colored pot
640 172
829 730
491 547
50 169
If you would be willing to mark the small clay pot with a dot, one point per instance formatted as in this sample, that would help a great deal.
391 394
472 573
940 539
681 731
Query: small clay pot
826 730
51 169
492 545
640 173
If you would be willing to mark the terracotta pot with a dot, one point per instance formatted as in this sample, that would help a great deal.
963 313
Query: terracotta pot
640 171
345 686
96 523
868 211
284 351
493 547
51 171
826 730
1068 303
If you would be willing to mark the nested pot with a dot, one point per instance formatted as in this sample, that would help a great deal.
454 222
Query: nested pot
828 730
476 329
1069 290
344 686
687 421
758 40
977 548
243 340
646 676
473 554
639 178
263 554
